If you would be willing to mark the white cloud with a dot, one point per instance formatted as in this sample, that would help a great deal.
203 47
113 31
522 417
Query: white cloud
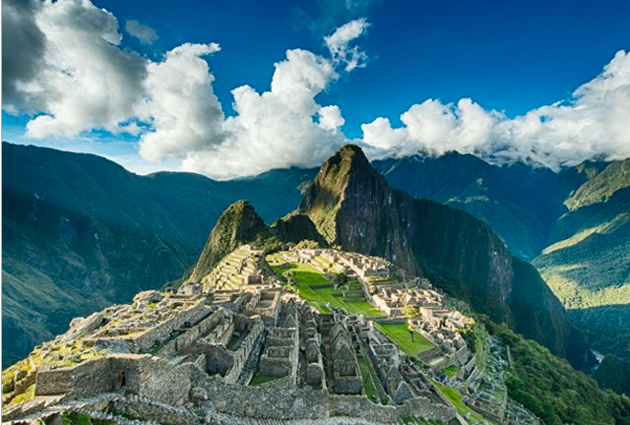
144 33
277 128
74 74
83 80
183 112
593 123
338 44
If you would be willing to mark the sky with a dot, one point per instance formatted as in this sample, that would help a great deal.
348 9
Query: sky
235 88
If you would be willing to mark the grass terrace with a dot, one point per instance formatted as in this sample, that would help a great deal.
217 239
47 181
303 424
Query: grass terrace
371 384
318 292
450 371
465 411
262 379
401 336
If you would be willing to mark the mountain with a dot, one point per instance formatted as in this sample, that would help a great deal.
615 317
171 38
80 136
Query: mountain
519 201
237 225
587 264
572 224
588 257
80 233
352 206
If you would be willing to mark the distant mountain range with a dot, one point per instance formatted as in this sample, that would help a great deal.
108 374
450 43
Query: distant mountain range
85 232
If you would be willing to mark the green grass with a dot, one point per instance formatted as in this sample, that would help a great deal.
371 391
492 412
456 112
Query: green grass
451 370
372 385
261 379
462 409
315 289
401 336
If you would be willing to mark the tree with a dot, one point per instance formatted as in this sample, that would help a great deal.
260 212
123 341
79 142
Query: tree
412 312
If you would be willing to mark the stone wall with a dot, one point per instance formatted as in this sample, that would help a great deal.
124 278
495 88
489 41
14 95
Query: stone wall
425 408
83 380
150 410
280 399
162 382
241 355
193 334
163 331
361 407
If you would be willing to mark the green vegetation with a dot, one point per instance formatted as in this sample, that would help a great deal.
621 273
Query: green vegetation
317 291
601 187
401 336
23 397
553 390
451 370
373 388
604 328
239 224
261 379
613 373
456 398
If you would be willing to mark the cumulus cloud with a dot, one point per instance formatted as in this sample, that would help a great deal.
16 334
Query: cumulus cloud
144 33
593 123
284 126
63 64
23 46
84 81
81 80
183 112
277 128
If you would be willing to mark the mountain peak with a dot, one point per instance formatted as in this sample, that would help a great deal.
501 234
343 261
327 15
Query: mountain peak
238 224
342 179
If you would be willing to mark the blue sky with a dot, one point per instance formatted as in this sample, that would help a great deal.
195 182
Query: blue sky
509 58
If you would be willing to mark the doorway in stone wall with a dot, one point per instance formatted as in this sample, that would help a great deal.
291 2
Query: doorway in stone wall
121 381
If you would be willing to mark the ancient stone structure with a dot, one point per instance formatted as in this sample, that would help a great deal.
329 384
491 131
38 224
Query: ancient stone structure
192 355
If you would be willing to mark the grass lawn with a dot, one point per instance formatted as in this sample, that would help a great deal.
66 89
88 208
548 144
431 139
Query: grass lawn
315 289
401 336
261 379
451 370
373 388
462 409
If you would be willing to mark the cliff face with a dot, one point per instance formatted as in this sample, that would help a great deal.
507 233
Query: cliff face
352 206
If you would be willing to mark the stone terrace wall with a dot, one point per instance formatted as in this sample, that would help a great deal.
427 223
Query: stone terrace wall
361 407
83 380
274 400
147 409
189 337
241 355
163 331
424 407
160 381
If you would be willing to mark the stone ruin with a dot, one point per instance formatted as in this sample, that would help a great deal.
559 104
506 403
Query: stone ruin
198 350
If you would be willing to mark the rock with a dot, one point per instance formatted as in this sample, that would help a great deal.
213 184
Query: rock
198 394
